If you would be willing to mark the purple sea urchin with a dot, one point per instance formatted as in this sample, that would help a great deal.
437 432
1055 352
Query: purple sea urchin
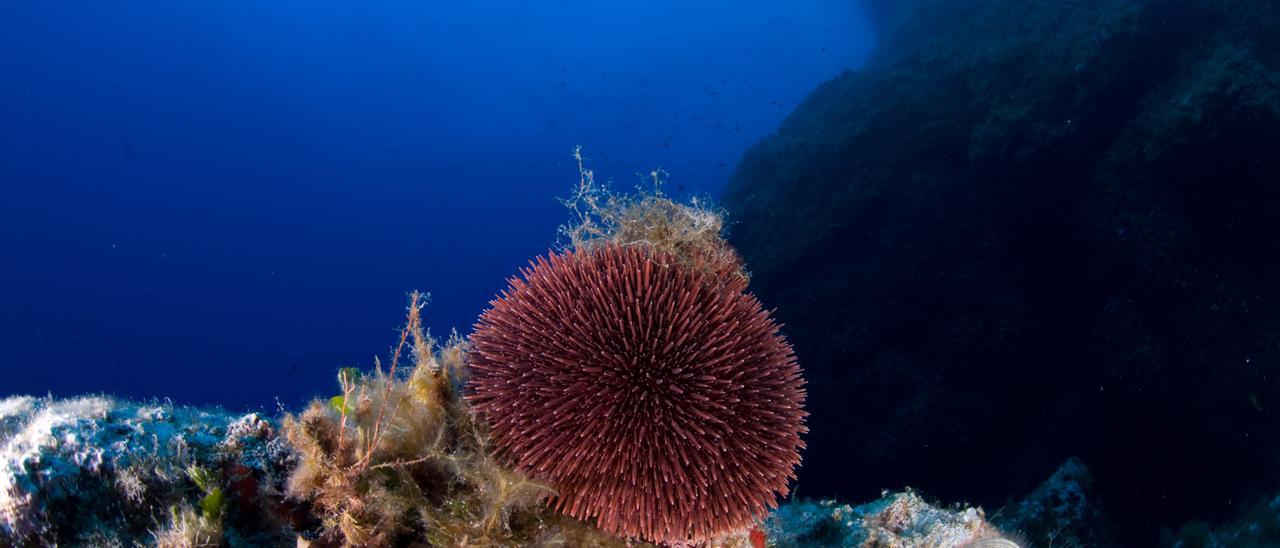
652 396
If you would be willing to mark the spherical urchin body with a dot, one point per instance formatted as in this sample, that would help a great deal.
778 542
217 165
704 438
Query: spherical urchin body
654 397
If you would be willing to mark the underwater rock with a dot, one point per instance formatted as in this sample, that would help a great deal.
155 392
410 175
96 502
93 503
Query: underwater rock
1259 525
99 471
1062 511
1030 230
896 520
105 472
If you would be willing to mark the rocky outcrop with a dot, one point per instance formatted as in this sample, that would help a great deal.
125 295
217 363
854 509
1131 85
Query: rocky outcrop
1258 525
98 471
1062 511
1028 230
896 520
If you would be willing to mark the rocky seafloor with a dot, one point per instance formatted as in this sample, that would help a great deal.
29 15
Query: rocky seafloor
100 471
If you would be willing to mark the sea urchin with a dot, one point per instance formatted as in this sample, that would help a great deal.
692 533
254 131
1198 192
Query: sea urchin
652 396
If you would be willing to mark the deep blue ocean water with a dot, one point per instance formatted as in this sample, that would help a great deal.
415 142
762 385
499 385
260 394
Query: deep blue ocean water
223 203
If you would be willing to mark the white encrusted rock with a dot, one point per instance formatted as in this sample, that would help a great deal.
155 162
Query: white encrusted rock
96 469
896 520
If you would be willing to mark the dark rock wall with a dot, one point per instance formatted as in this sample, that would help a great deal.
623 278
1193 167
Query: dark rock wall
1034 229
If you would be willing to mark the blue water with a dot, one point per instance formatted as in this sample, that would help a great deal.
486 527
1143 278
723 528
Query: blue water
225 202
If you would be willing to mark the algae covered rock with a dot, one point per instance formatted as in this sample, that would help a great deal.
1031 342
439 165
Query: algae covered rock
101 471
896 520
1062 511
105 472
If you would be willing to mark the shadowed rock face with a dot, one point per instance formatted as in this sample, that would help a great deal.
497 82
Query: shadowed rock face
1034 229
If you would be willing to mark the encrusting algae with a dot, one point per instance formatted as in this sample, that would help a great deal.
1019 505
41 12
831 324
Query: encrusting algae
401 457
693 232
